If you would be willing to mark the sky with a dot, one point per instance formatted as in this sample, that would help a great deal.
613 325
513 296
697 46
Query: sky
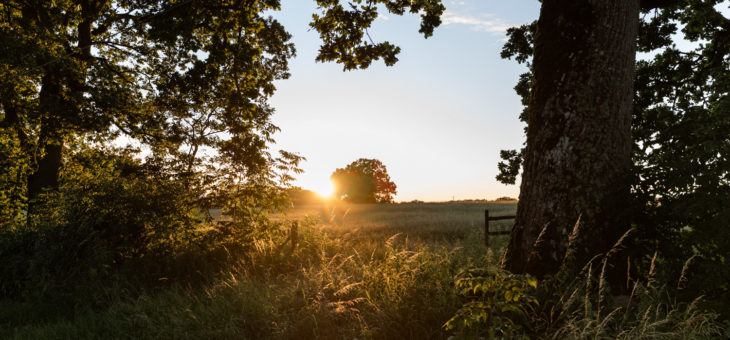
437 119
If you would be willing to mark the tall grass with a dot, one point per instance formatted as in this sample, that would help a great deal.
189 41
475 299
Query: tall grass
588 312
359 271
351 277
585 308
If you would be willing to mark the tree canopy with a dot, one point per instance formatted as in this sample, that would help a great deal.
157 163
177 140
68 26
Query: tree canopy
124 123
188 81
344 29
363 181
183 79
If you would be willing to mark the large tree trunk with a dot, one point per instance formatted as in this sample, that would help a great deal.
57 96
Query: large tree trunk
54 110
50 140
579 135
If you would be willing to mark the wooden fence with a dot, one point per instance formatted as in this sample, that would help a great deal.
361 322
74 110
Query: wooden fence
487 218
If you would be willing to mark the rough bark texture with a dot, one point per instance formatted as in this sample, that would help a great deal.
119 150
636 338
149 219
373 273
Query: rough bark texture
579 134
45 176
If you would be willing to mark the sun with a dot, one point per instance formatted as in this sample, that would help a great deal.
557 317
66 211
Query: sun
325 189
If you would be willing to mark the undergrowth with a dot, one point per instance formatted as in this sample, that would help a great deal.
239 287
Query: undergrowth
585 308
336 285
328 287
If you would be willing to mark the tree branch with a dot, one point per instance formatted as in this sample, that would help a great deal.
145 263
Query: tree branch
654 4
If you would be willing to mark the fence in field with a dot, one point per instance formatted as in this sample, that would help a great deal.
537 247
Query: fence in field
487 218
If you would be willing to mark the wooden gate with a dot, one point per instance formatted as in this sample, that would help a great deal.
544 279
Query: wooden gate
487 218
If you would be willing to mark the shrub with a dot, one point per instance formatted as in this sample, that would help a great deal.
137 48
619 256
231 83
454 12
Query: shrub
499 304
115 213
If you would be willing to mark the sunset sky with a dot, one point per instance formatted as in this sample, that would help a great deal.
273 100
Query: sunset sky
437 119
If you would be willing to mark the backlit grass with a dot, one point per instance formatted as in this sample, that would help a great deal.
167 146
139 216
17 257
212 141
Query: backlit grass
358 271
365 271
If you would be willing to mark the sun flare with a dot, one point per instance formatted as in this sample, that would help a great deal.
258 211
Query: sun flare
325 190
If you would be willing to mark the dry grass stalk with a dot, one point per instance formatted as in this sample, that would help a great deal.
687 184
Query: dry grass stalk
539 239
601 282
565 306
651 270
588 265
573 237
633 292
537 243
606 320
345 307
587 298
682 275
617 246
390 240
348 288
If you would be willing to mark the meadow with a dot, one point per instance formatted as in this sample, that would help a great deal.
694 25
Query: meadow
358 271
435 223
370 271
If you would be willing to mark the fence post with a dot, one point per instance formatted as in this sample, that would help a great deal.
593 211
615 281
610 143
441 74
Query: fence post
294 235
486 227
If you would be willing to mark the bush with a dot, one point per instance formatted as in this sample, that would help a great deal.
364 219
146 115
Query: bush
499 304
503 305
115 214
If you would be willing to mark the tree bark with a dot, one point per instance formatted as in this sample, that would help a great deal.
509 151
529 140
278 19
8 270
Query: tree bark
54 110
50 140
578 151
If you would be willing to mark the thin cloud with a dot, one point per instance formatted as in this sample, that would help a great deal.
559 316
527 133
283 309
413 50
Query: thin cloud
456 3
481 23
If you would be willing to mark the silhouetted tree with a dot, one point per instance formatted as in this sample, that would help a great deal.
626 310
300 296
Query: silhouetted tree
364 181
177 76
578 154
680 195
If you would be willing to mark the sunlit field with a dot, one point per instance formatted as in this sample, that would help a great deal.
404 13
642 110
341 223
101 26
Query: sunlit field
372 271
432 223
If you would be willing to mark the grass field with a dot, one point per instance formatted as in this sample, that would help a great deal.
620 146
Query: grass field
427 222
359 271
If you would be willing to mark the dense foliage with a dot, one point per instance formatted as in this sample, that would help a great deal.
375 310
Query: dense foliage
180 78
500 303
681 188
344 28
187 82
363 181
682 145
184 85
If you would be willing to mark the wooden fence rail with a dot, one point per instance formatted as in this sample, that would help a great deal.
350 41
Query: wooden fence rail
487 218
